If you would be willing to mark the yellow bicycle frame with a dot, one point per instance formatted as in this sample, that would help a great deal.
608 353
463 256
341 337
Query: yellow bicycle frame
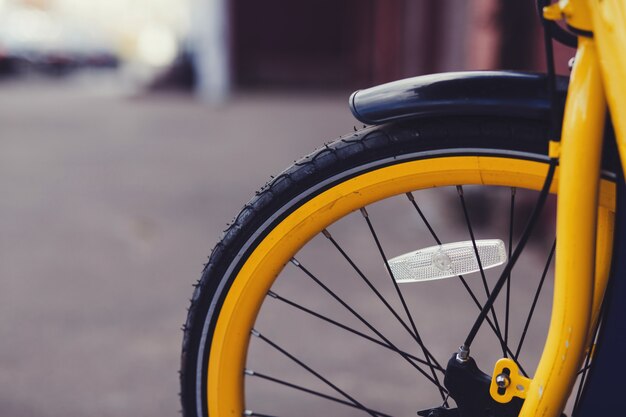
597 79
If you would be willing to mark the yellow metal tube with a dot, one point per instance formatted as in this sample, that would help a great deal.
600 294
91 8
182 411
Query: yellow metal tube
609 32
581 148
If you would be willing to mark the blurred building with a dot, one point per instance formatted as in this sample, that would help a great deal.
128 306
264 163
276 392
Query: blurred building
345 43
332 43
355 43
221 45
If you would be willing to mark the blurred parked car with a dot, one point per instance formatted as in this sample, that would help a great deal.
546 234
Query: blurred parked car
32 39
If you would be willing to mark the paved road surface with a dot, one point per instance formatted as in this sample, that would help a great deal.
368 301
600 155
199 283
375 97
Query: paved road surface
109 207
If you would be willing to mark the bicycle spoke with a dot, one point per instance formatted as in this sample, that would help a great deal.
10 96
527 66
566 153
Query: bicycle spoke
461 278
508 278
347 328
590 353
490 323
530 225
312 371
583 378
535 298
421 214
480 264
464 282
365 322
308 391
327 234
584 369
418 339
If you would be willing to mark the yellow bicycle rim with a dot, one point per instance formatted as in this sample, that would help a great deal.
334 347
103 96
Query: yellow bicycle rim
229 345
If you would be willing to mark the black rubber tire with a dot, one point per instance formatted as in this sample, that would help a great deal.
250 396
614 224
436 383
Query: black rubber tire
364 149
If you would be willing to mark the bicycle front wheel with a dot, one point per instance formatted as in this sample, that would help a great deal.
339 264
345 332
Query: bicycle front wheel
300 309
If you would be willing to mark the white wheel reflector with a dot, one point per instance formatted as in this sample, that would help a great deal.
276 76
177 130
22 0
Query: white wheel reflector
447 260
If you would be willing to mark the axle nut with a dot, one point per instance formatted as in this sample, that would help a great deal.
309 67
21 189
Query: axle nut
503 380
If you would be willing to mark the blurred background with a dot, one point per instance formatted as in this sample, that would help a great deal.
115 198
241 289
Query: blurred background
132 131
215 47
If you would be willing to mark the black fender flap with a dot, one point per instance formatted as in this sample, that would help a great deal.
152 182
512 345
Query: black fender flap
487 93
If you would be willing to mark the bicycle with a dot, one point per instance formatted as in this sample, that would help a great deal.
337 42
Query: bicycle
444 134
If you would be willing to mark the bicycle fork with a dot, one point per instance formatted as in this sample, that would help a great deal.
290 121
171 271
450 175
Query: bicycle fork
573 311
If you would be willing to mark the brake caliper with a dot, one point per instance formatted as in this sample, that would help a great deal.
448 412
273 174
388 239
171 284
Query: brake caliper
470 389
